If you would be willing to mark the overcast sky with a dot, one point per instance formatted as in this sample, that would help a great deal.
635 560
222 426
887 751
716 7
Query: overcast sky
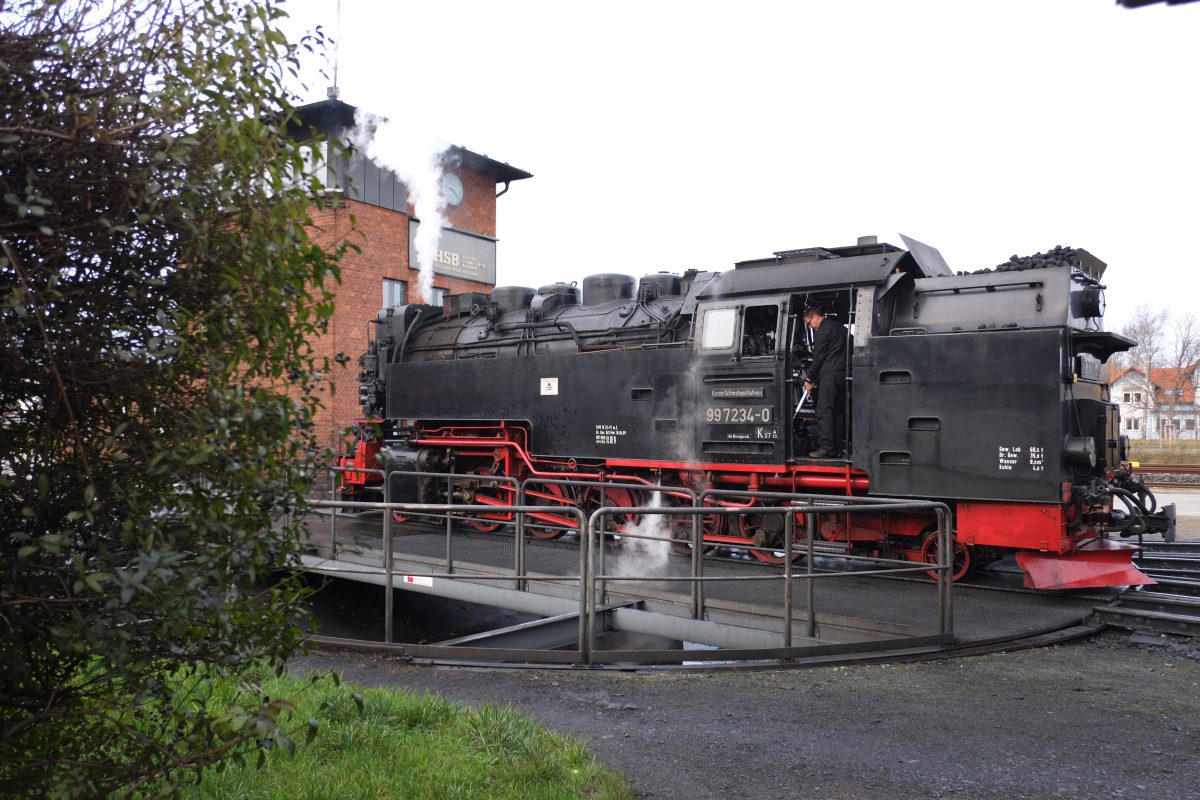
669 135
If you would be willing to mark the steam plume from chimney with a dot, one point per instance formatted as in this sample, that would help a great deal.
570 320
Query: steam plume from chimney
417 160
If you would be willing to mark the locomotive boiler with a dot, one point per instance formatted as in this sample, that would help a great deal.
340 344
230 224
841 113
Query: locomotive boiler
984 391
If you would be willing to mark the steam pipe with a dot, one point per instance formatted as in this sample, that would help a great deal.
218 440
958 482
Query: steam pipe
1149 495
562 326
399 351
1129 497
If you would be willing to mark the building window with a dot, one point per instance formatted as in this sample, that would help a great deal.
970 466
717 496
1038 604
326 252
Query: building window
1189 424
394 293
437 296
1133 424
1137 397
1125 398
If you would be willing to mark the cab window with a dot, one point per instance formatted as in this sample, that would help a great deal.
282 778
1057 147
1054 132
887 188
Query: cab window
720 326
758 331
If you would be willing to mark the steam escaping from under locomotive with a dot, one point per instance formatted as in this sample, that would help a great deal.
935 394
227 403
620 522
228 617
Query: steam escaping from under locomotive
418 161
650 555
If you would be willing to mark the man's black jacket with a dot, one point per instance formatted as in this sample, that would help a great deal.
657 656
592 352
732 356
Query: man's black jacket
829 350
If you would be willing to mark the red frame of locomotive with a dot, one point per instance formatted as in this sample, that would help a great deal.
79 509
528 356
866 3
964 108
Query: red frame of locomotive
1071 560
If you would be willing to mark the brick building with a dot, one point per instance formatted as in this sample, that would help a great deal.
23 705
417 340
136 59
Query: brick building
384 273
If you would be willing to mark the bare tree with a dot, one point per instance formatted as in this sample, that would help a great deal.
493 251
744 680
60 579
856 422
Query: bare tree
1148 328
1182 356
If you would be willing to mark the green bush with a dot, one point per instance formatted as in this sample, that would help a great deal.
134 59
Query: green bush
158 288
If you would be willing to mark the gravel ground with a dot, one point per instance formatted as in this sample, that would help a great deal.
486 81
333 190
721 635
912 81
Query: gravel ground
1113 716
1187 506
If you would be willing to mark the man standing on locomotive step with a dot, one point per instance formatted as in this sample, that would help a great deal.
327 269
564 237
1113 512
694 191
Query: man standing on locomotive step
828 372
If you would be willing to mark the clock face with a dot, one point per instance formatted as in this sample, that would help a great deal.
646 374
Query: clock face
452 188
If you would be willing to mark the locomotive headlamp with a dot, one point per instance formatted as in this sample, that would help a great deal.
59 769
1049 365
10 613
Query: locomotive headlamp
1092 301
1080 451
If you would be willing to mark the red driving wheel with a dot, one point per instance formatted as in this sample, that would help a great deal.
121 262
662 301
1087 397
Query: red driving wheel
963 560
553 496
496 493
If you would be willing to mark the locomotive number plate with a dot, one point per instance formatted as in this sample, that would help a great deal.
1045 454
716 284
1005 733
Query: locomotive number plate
738 415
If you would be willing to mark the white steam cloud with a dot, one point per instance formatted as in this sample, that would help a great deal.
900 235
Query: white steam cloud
649 556
417 160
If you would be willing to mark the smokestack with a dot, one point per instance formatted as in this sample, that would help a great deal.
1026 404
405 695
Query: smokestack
863 241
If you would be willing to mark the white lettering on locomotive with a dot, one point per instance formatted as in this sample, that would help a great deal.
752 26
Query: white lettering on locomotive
608 434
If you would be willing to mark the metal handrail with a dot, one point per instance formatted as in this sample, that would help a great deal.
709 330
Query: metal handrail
945 533
592 578
943 567
697 595
389 567
451 477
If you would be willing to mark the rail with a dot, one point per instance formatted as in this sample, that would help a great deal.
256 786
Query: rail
1165 469
1170 605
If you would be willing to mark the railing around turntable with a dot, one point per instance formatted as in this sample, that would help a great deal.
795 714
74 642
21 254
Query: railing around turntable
593 582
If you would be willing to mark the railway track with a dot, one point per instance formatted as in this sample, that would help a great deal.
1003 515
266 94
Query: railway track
1170 474
1170 606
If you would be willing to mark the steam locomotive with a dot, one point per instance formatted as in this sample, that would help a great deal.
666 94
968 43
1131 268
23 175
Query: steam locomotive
981 390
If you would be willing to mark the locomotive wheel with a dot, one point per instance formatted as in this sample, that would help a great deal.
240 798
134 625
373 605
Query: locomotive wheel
681 540
964 559
614 524
769 533
551 495
487 523
772 556
713 524
399 518
681 532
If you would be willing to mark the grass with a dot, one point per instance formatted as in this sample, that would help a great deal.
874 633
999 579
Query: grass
382 744
1158 452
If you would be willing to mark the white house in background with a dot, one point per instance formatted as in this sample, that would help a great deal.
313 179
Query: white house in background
1161 406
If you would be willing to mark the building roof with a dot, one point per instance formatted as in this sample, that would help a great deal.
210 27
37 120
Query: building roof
1140 3
334 117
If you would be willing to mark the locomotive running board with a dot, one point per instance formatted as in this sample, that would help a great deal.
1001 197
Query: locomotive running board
1099 563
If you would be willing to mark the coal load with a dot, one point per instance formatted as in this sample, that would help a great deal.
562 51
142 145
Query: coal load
1057 256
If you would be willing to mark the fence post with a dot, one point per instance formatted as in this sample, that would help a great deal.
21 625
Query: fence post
697 562
522 584
602 586
333 478
946 576
789 525
810 520
585 588
449 522
388 566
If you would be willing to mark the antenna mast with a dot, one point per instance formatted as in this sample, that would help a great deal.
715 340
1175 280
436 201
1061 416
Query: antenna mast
332 92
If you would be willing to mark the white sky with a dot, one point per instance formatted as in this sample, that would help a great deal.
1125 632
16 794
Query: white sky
668 135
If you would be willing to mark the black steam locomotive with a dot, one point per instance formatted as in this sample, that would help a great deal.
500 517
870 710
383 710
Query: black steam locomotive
983 390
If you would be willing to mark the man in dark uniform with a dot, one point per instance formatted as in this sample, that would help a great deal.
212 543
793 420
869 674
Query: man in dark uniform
828 372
